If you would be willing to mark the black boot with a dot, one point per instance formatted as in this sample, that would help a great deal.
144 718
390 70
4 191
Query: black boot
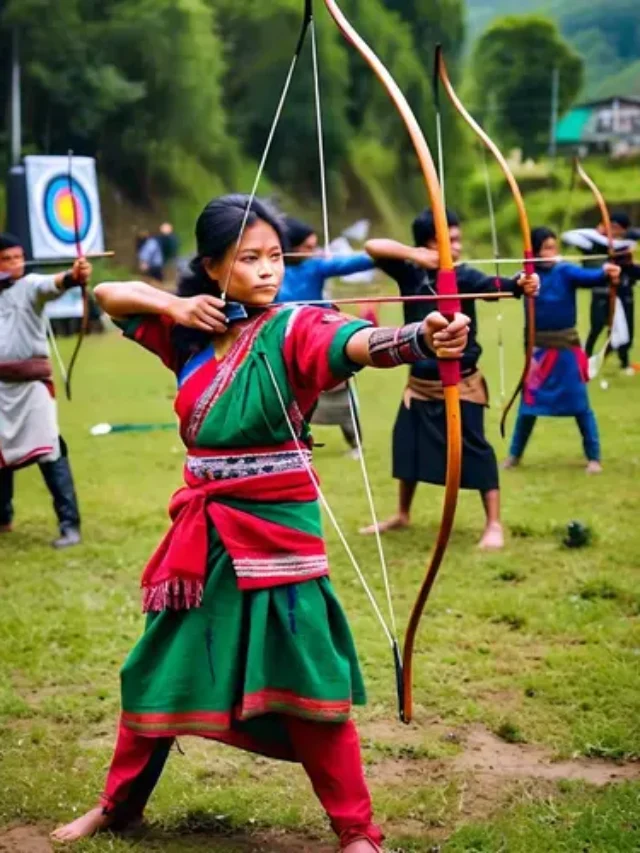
57 475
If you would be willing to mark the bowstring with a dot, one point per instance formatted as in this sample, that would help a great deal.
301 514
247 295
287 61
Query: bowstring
327 508
267 149
351 383
308 23
56 351
435 83
496 254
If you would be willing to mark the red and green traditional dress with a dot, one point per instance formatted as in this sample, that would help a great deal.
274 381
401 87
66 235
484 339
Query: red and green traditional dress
243 626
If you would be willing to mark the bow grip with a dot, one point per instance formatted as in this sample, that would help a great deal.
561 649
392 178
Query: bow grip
529 266
446 285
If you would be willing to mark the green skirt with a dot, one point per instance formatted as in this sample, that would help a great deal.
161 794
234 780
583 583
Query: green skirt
231 669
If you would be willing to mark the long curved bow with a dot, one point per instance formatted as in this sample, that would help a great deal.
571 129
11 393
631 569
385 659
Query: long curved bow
449 370
85 293
523 220
606 221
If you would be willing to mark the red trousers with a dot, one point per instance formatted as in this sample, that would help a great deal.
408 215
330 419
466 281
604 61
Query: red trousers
329 753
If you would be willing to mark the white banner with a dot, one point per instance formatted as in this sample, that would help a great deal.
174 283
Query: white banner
51 203
620 328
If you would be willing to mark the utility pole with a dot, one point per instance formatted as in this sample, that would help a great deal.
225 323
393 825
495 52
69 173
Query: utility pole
553 123
16 113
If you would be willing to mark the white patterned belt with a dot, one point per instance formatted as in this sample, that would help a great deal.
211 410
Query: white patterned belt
249 465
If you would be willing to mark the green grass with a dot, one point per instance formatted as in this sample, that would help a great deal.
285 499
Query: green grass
539 644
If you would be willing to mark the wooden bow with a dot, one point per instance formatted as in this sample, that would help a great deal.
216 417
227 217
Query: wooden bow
85 293
446 286
523 220
606 221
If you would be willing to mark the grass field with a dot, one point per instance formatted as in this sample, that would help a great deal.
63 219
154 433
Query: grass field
527 726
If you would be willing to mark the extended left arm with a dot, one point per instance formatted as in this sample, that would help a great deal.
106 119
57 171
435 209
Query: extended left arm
474 281
587 277
391 347
78 275
338 267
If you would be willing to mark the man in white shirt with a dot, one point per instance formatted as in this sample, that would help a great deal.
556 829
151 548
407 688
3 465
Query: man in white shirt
29 431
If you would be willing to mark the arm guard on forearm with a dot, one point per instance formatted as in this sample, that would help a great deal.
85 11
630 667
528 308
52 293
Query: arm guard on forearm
389 347
69 281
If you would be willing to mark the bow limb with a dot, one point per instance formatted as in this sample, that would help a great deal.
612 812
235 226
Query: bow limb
523 221
606 221
449 370
85 293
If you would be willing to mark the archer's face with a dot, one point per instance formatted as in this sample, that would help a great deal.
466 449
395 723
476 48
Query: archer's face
12 262
456 242
455 236
549 249
617 231
256 275
308 246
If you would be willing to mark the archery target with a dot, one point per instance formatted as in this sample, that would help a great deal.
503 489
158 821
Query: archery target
51 202
60 197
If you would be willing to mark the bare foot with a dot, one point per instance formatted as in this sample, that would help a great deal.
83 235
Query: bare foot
492 538
510 462
594 467
362 845
5 528
83 827
396 522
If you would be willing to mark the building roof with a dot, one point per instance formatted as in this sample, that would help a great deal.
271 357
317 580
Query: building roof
572 125
601 122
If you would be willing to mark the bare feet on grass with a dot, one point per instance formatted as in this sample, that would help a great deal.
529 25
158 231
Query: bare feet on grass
594 467
396 522
84 827
492 538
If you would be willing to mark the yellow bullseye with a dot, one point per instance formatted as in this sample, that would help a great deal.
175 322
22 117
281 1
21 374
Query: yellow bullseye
65 210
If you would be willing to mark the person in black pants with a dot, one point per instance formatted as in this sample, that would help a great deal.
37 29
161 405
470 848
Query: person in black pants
594 241
59 480
29 432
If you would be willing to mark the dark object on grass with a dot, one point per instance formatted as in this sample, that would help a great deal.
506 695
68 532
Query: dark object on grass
578 535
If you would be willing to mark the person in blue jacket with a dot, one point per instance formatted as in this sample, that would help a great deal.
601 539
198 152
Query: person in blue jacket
306 273
308 269
556 385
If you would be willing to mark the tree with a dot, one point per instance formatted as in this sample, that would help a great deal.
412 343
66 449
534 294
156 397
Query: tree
511 70
136 83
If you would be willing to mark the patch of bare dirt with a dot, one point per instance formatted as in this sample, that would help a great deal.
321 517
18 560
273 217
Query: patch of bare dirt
258 841
277 842
392 732
486 755
25 839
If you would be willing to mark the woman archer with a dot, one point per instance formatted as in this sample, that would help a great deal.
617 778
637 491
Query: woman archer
246 642
556 385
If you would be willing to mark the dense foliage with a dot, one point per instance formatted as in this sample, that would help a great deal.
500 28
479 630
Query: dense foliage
606 34
171 94
513 63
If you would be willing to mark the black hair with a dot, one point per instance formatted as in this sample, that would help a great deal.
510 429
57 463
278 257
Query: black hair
218 228
620 218
297 231
539 236
9 241
424 226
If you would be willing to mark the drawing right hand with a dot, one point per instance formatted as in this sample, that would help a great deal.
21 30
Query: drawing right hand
203 312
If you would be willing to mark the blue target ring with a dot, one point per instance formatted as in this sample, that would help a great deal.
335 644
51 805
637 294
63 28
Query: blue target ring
58 209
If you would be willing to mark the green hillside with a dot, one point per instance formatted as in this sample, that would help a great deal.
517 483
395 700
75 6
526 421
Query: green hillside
606 34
